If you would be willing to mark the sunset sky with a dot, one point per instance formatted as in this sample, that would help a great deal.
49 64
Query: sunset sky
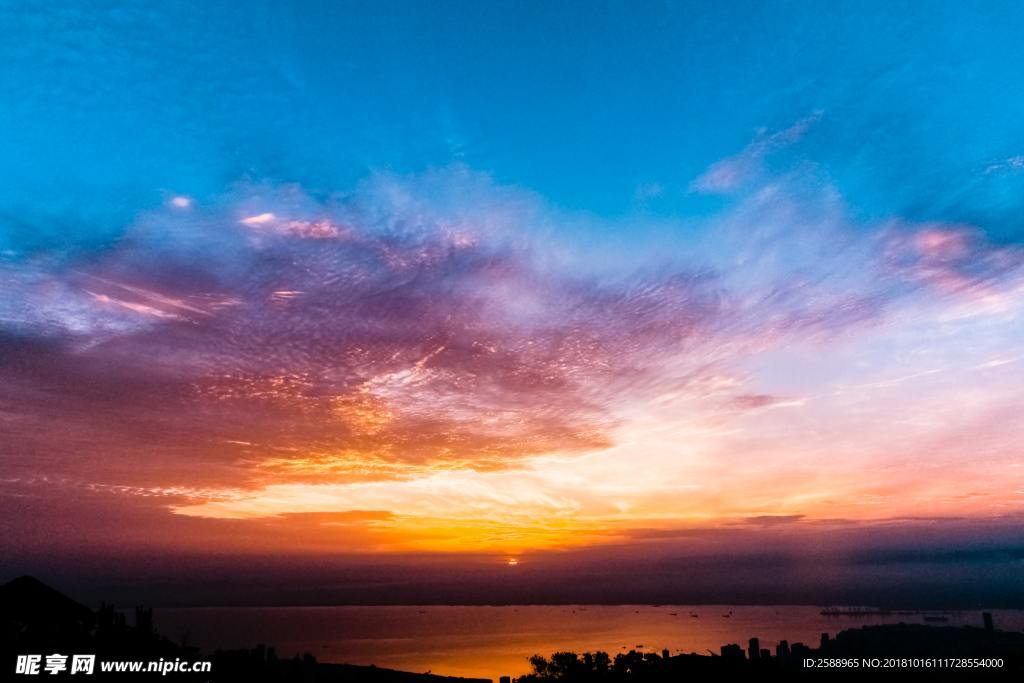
506 279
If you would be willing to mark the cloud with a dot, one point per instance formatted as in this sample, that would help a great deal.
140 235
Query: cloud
735 172
773 520
367 335
1008 165
435 349
757 401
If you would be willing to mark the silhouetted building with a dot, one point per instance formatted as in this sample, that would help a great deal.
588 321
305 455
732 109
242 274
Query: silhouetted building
782 649
732 652
824 640
754 649
987 617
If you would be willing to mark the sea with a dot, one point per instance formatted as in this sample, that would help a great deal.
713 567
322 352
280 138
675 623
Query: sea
493 641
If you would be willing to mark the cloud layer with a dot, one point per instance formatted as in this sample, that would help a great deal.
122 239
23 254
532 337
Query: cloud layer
434 362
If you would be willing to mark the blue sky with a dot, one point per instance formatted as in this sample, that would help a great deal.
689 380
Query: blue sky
610 110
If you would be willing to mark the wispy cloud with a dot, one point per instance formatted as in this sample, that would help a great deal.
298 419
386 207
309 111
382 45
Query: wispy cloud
1008 165
433 348
740 170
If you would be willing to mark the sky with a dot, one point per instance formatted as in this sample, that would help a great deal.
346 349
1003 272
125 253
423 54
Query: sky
513 287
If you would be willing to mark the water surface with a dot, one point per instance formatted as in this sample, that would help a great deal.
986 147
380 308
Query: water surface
492 641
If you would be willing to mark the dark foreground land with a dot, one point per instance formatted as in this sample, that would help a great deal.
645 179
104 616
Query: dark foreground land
889 652
36 619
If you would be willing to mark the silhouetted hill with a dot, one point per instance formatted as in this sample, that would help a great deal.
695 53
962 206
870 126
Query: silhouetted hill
261 664
29 600
918 640
350 673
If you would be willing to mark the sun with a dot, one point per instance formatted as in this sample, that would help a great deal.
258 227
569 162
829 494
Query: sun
512 562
